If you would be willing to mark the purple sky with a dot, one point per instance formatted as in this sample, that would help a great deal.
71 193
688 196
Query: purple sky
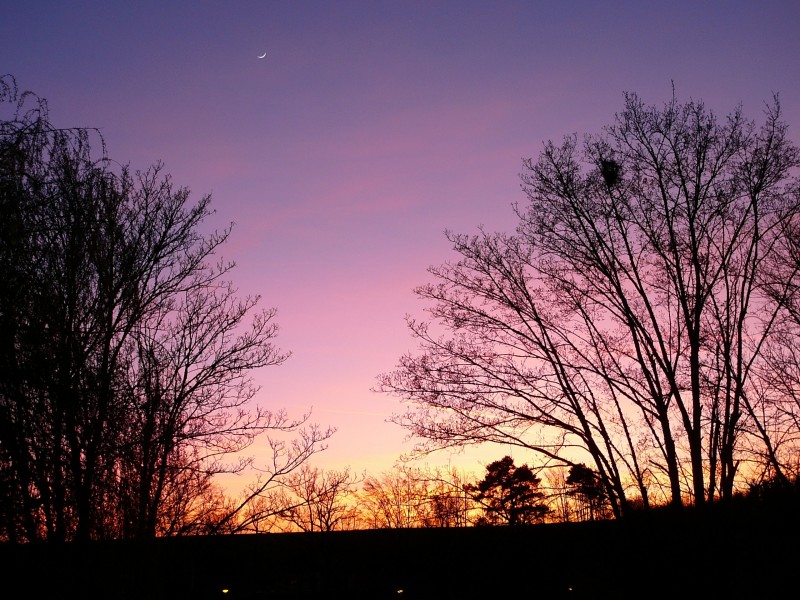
368 129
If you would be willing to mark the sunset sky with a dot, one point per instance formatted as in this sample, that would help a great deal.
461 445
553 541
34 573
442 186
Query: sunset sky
369 129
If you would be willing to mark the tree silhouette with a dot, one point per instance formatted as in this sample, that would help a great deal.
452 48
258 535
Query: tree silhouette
586 486
643 315
317 500
395 499
125 353
510 494
408 497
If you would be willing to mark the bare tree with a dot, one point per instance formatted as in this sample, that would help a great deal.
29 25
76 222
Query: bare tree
416 497
449 498
261 503
317 500
623 322
395 499
774 403
559 500
125 353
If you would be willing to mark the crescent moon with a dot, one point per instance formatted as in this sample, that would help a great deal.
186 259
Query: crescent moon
263 55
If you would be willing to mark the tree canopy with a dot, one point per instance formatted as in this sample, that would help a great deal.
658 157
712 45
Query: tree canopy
509 494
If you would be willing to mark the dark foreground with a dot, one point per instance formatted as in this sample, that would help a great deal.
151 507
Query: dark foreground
719 556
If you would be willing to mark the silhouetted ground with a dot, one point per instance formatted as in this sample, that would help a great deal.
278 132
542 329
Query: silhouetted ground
730 555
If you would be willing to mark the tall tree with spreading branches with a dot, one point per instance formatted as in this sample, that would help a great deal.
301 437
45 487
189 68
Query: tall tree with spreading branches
125 353
625 323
